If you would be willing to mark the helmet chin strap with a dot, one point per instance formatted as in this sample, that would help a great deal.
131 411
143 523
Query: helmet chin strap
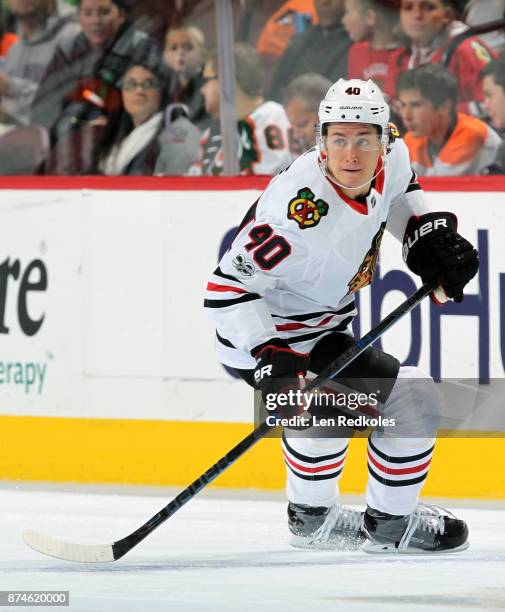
324 167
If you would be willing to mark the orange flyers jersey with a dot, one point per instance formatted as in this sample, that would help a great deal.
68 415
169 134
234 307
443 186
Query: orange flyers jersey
302 252
471 147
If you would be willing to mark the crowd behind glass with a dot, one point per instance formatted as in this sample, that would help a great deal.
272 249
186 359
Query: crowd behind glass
119 87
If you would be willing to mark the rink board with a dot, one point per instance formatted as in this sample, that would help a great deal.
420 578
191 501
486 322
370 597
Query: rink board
107 368
177 452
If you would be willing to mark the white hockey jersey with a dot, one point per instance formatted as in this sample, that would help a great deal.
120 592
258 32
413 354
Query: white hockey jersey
301 253
263 143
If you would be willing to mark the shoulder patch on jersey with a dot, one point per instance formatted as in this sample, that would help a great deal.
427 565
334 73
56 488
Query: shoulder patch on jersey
481 52
244 266
305 209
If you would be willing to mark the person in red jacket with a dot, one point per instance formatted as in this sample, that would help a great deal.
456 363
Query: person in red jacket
371 25
429 26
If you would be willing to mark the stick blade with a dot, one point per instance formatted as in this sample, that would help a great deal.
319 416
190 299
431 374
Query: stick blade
81 553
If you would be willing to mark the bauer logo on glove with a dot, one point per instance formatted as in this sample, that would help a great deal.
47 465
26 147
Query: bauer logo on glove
433 249
422 231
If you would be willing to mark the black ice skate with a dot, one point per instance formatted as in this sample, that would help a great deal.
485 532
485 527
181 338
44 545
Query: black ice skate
335 528
430 529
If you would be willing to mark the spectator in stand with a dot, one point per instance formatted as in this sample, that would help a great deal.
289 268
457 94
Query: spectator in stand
290 18
136 142
155 17
441 141
494 104
428 26
7 39
478 12
7 36
372 25
42 25
184 53
79 82
262 125
321 48
301 103
80 87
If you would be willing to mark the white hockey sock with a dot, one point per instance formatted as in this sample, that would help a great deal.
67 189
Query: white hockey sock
396 475
313 466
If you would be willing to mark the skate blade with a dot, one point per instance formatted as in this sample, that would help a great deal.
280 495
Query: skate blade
344 544
376 548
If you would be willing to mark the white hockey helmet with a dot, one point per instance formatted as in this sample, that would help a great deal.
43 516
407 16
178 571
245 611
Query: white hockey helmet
354 101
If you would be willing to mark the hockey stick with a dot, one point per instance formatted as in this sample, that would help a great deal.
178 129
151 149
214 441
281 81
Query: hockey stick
111 552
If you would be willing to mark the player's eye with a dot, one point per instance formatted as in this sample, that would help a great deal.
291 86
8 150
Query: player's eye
364 143
340 142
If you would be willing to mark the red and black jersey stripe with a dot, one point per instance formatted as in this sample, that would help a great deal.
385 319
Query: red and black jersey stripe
342 326
315 315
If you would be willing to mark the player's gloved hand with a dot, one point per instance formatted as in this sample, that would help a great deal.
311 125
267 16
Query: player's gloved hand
278 369
434 250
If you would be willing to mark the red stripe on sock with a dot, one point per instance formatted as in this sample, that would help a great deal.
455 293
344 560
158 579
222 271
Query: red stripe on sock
398 471
312 470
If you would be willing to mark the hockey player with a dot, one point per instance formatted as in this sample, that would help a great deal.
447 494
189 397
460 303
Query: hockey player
282 300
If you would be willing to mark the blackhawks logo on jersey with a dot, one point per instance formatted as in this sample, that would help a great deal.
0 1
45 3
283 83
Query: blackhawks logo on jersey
364 275
306 210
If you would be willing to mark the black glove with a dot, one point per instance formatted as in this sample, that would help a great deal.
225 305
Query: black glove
278 369
434 250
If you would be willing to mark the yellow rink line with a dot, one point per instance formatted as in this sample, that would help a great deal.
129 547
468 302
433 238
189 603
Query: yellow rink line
175 453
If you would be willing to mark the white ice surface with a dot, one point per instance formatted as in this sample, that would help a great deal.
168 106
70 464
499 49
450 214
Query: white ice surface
233 554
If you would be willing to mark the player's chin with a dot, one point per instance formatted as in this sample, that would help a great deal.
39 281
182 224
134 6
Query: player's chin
352 177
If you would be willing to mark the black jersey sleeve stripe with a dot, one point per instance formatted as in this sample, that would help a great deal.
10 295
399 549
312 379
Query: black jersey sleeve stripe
397 483
340 327
315 315
224 341
249 216
221 274
308 459
399 459
413 184
249 297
